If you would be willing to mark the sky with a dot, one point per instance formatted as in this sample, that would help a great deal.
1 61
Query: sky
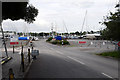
65 15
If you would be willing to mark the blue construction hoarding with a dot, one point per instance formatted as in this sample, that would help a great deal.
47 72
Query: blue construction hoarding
58 38
23 38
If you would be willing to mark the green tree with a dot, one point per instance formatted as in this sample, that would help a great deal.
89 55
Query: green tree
92 32
19 10
77 33
112 22
84 33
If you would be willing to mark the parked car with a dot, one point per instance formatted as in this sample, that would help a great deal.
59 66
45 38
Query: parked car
35 39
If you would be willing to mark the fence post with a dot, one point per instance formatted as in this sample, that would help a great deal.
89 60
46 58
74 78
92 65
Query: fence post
28 55
22 59
11 74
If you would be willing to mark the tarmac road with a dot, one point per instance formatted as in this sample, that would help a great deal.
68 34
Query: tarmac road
70 62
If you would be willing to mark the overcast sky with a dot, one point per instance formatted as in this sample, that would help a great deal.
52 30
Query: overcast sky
61 13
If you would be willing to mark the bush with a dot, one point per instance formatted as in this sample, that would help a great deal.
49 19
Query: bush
65 42
55 42
49 39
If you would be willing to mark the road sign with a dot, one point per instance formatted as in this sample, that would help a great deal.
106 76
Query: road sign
119 44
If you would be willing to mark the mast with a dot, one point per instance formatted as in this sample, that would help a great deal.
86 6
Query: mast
84 21
65 28
56 28
52 29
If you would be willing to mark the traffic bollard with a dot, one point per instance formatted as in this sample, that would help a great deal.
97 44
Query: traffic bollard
29 55
22 59
11 74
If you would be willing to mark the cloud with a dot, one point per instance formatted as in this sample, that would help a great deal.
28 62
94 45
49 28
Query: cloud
71 11
41 22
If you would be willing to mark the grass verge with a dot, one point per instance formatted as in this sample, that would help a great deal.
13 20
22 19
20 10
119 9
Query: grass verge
114 54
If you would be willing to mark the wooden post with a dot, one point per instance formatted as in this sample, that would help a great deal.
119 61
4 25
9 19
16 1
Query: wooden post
22 59
13 49
29 55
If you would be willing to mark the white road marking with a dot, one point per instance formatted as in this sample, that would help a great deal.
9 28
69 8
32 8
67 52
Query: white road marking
52 48
57 51
76 60
107 75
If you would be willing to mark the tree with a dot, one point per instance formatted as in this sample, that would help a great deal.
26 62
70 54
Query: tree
19 10
112 23
92 32
84 33
77 33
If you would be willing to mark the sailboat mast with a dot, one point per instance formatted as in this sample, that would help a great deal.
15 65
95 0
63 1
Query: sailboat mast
65 26
52 29
66 29
84 21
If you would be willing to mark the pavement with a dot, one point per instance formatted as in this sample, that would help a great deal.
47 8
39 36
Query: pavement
72 62
14 63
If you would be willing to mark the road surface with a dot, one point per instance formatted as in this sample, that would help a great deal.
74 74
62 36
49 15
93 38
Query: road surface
70 62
